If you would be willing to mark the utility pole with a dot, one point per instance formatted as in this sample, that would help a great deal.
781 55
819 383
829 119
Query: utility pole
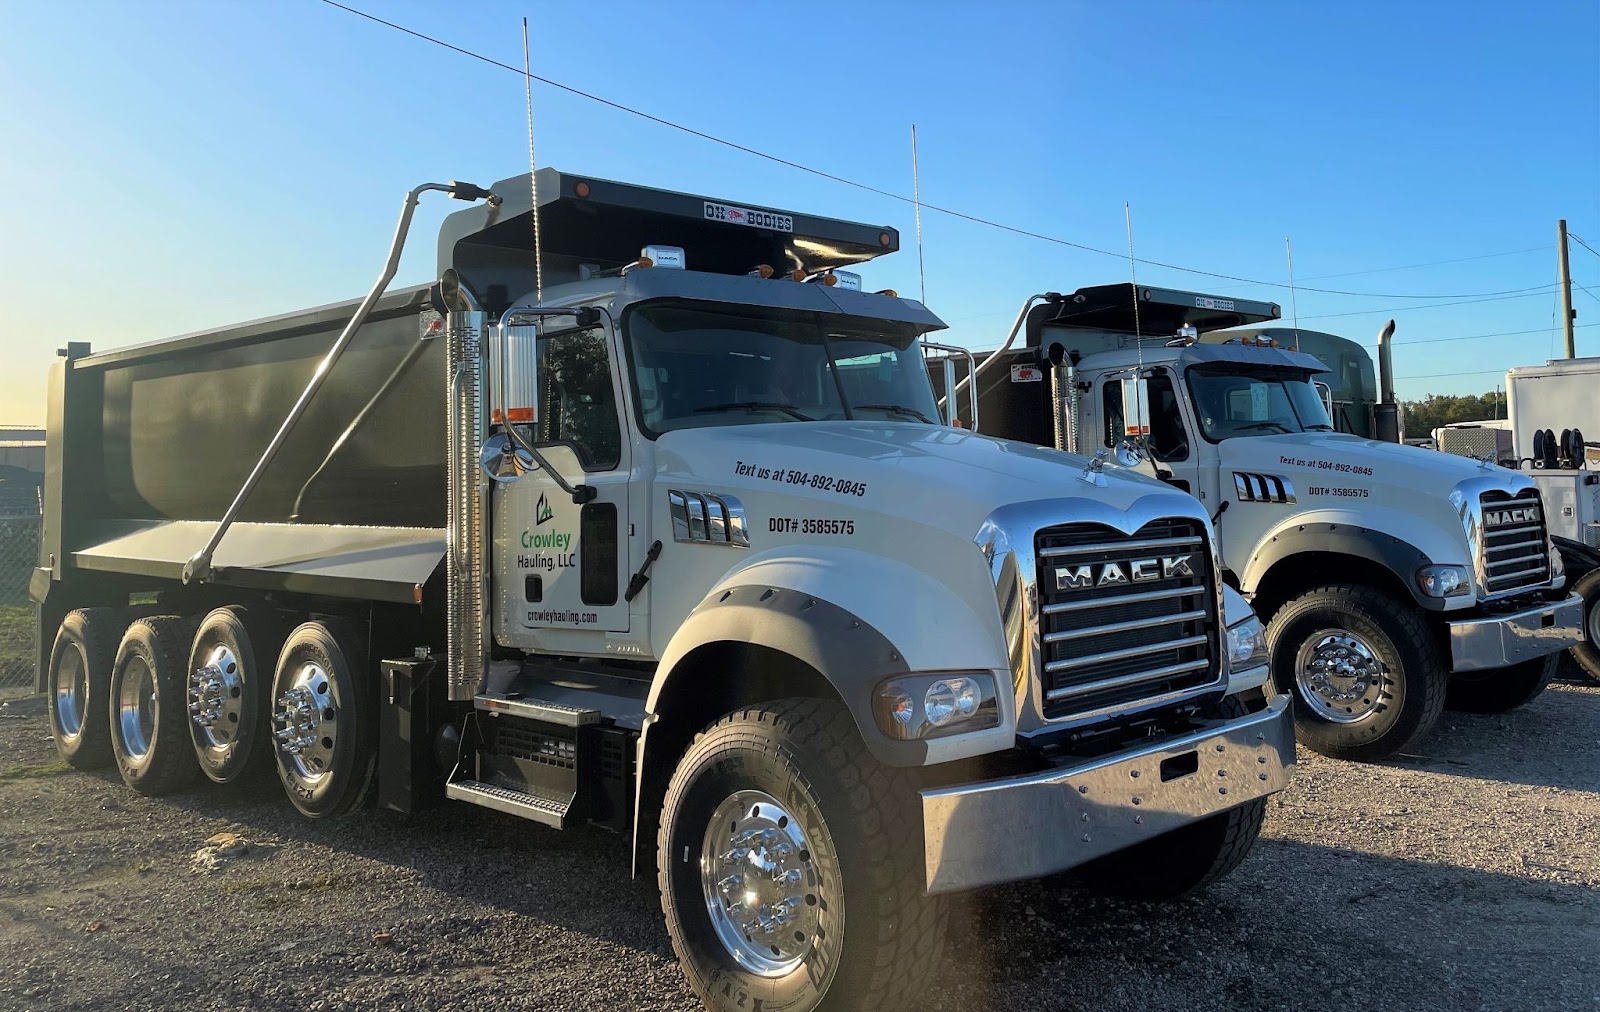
1566 287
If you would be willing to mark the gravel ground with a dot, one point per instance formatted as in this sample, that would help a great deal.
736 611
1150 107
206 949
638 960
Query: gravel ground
1464 877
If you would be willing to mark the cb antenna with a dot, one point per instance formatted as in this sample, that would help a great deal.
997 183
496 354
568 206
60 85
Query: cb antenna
916 198
1294 301
1138 334
533 173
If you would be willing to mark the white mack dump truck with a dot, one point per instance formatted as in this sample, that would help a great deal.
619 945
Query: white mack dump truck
1392 577
670 543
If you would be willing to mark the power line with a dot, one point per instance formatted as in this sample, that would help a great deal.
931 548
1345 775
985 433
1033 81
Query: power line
1477 337
877 190
1431 263
1585 245
1444 375
1437 305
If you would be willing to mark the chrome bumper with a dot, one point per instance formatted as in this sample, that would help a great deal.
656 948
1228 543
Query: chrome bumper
1501 640
1035 825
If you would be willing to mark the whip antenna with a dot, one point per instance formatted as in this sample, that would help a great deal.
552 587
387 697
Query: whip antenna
1294 301
1138 334
916 198
533 173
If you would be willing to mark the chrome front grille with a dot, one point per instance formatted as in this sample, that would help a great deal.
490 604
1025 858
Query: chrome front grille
1124 619
1516 546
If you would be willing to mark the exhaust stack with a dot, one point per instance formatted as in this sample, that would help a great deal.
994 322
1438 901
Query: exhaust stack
1386 413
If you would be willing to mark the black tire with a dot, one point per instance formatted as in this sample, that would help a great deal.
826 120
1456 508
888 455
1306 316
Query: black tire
231 726
873 931
1500 689
1587 653
1406 694
148 703
79 683
1185 861
1180 863
336 730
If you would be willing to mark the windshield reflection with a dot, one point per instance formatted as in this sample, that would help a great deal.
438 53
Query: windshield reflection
1230 402
697 365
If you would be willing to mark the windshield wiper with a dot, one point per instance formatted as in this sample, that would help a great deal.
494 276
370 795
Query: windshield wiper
1319 427
900 409
1262 425
754 407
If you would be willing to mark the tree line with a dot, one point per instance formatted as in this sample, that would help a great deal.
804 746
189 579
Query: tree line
1435 410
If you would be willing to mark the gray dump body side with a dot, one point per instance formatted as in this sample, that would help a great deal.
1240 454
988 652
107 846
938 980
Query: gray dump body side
149 445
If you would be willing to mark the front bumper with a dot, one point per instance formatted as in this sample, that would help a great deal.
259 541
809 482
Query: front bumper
1502 640
1035 825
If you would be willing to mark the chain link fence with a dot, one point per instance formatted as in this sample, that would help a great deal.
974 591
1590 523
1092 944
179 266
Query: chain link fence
19 551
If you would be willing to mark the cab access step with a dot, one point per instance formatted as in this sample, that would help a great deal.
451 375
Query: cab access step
552 744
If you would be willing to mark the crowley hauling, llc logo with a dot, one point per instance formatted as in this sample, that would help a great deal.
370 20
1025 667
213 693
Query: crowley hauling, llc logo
1113 574
542 511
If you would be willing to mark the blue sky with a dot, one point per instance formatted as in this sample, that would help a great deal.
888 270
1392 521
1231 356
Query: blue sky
170 166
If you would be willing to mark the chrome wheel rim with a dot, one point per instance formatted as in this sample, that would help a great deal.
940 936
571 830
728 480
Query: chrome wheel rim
137 707
305 723
762 890
1339 676
216 698
72 693
1594 624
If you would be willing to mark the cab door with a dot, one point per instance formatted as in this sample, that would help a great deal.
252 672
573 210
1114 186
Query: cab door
561 565
1165 431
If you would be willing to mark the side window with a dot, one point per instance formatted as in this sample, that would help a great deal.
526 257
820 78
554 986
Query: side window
577 405
1112 413
1168 439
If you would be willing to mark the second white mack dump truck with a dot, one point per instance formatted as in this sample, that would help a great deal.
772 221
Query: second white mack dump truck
1392 577
671 543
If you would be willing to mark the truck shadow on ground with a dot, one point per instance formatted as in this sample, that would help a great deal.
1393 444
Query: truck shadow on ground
1532 745
1297 919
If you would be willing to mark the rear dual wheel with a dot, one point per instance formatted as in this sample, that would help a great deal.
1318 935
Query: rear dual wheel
323 725
148 696
230 669
80 683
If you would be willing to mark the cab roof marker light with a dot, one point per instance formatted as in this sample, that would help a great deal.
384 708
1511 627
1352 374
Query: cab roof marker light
762 271
889 292
663 256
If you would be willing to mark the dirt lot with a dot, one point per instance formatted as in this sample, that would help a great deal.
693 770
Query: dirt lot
1467 877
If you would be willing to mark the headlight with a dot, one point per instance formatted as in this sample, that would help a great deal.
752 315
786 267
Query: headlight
1444 581
930 706
1247 644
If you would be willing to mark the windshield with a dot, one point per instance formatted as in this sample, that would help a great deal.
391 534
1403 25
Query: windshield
1230 402
695 365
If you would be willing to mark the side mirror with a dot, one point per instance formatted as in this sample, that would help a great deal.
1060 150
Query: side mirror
502 460
1136 407
1130 453
514 369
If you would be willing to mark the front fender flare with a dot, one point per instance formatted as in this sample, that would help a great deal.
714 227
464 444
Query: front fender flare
1400 557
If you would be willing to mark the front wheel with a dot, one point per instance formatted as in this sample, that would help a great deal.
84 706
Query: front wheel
791 866
1368 677
1180 863
1500 689
1587 653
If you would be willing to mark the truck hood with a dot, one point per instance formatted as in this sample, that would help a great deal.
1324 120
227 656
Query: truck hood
1338 459
943 477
